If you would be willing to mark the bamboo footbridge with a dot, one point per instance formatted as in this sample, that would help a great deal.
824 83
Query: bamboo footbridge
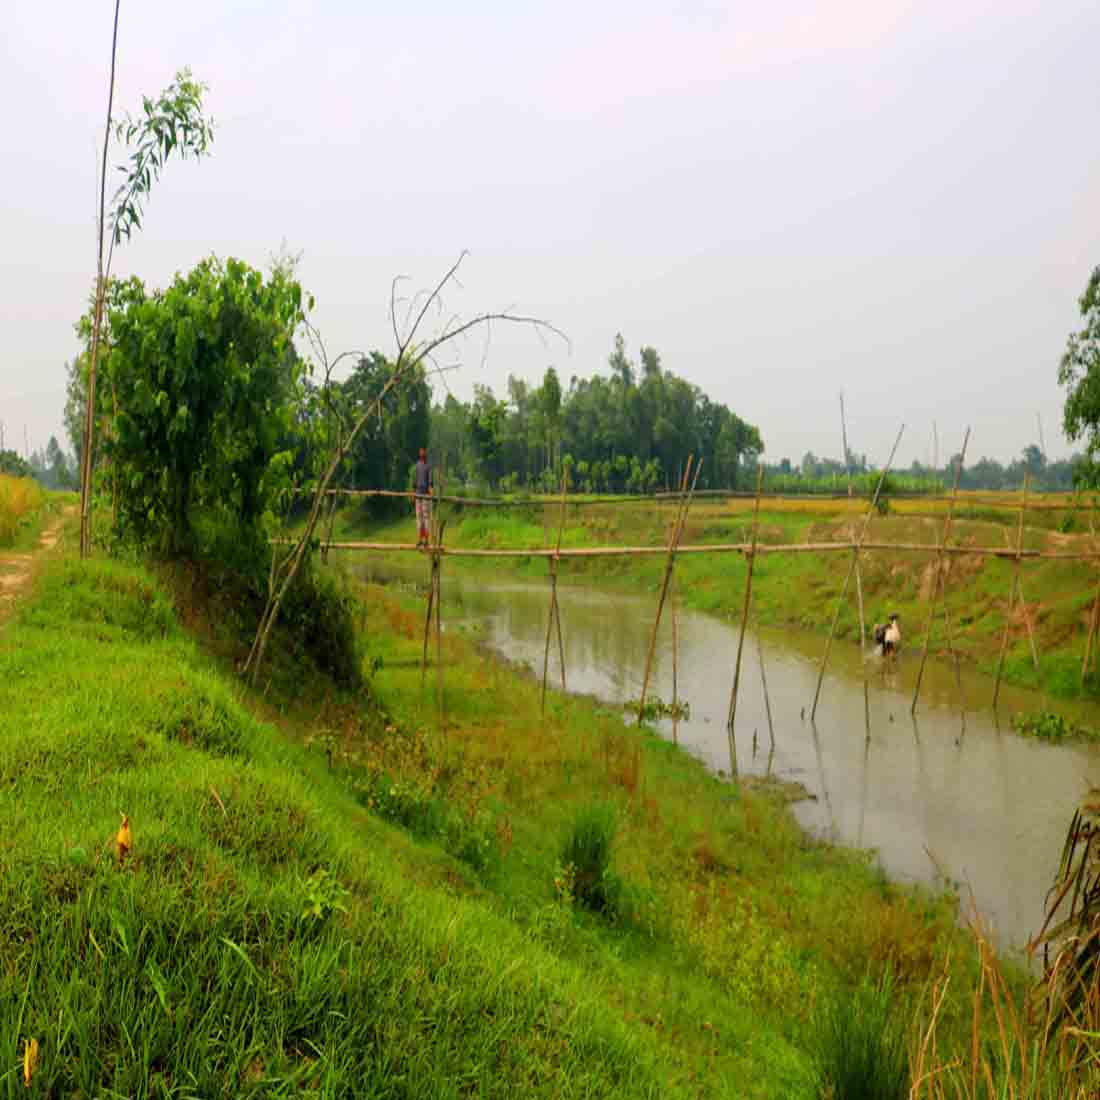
682 499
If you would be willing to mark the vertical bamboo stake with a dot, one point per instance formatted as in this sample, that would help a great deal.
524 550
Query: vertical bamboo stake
859 577
673 542
439 620
1092 634
427 626
675 668
554 615
859 598
1094 620
764 681
1011 593
938 583
731 720
851 569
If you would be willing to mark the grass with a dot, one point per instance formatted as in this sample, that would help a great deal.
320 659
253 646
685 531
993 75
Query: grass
21 498
802 590
863 1039
328 895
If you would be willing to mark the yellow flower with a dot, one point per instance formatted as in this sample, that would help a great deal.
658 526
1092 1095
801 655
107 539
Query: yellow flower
30 1060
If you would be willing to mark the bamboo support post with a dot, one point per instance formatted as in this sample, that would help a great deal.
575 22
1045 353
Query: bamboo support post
554 614
1094 619
859 599
731 720
1012 589
764 681
851 568
938 583
428 624
439 620
675 668
673 542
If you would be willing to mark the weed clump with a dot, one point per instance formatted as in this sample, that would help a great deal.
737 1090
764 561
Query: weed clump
1048 726
861 1044
586 858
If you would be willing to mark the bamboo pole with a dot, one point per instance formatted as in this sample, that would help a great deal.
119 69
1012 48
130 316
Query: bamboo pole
938 584
439 621
859 598
859 577
428 625
554 614
764 681
1011 595
1094 621
848 579
731 720
716 548
673 542
675 667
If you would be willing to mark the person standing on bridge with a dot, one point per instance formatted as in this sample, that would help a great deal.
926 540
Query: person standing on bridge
423 484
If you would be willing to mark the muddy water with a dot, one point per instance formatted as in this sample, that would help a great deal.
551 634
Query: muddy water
949 795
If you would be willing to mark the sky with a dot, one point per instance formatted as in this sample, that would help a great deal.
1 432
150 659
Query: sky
899 200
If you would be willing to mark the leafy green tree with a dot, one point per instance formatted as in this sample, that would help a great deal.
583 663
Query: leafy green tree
172 124
206 379
1079 372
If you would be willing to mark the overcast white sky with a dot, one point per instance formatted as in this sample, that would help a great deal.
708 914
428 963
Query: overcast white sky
895 198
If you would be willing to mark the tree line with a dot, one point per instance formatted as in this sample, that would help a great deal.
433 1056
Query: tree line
818 474
629 432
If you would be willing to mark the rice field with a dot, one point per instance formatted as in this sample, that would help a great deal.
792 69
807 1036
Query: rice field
20 500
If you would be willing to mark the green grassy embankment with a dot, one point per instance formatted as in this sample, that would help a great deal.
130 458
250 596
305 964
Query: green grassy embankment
802 589
326 897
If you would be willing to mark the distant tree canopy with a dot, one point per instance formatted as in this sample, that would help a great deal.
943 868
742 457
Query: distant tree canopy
53 469
821 474
11 462
1079 372
630 432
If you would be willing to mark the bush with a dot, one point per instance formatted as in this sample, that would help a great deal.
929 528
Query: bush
587 857
318 616
861 1044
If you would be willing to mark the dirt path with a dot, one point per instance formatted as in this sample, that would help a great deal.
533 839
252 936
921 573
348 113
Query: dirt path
17 570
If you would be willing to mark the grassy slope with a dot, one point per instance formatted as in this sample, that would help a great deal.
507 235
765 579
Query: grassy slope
190 970
802 589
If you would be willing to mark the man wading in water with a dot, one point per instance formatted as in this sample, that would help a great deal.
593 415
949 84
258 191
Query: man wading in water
422 486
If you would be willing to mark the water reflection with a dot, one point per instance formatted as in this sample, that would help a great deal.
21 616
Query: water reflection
942 793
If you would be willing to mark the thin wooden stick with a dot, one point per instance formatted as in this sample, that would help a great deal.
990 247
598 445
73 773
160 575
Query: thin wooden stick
859 597
553 613
1094 620
673 541
439 622
764 681
859 575
1011 594
938 584
731 720
428 626
675 666
851 568
554 583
